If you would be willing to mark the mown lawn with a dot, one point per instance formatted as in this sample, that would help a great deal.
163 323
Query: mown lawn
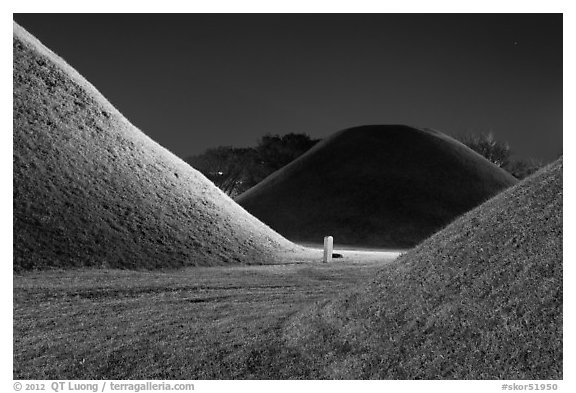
196 323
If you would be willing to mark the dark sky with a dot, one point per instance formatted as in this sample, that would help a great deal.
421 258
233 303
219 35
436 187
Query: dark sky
196 81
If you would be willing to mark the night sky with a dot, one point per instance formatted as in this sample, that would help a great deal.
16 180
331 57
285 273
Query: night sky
197 81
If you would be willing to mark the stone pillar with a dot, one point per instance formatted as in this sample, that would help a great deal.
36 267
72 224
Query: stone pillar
328 246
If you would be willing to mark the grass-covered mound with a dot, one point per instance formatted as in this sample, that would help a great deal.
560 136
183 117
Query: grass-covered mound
92 190
375 186
481 299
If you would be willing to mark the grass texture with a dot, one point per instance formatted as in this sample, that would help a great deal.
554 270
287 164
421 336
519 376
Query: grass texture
387 186
92 190
193 323
481 299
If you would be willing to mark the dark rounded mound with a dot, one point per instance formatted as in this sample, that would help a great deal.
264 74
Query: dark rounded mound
375 186
92 190
481 299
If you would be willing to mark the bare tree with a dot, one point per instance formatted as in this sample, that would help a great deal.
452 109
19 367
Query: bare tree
488 146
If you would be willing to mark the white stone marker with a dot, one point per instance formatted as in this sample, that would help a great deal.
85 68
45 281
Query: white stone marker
328 246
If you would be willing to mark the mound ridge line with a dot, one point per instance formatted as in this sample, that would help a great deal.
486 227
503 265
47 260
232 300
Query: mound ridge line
381 186
90 189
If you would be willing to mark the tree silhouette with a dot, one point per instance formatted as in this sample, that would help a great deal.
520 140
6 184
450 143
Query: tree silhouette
486 145
500 154
235 170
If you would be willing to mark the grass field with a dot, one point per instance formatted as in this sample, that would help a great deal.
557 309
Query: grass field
196 323
93 196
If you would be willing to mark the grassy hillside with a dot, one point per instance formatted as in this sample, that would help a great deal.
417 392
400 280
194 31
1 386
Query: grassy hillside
92 190
481 299
375 186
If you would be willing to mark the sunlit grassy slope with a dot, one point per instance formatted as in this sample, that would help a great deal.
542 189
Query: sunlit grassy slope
481 299
92 190
375 186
